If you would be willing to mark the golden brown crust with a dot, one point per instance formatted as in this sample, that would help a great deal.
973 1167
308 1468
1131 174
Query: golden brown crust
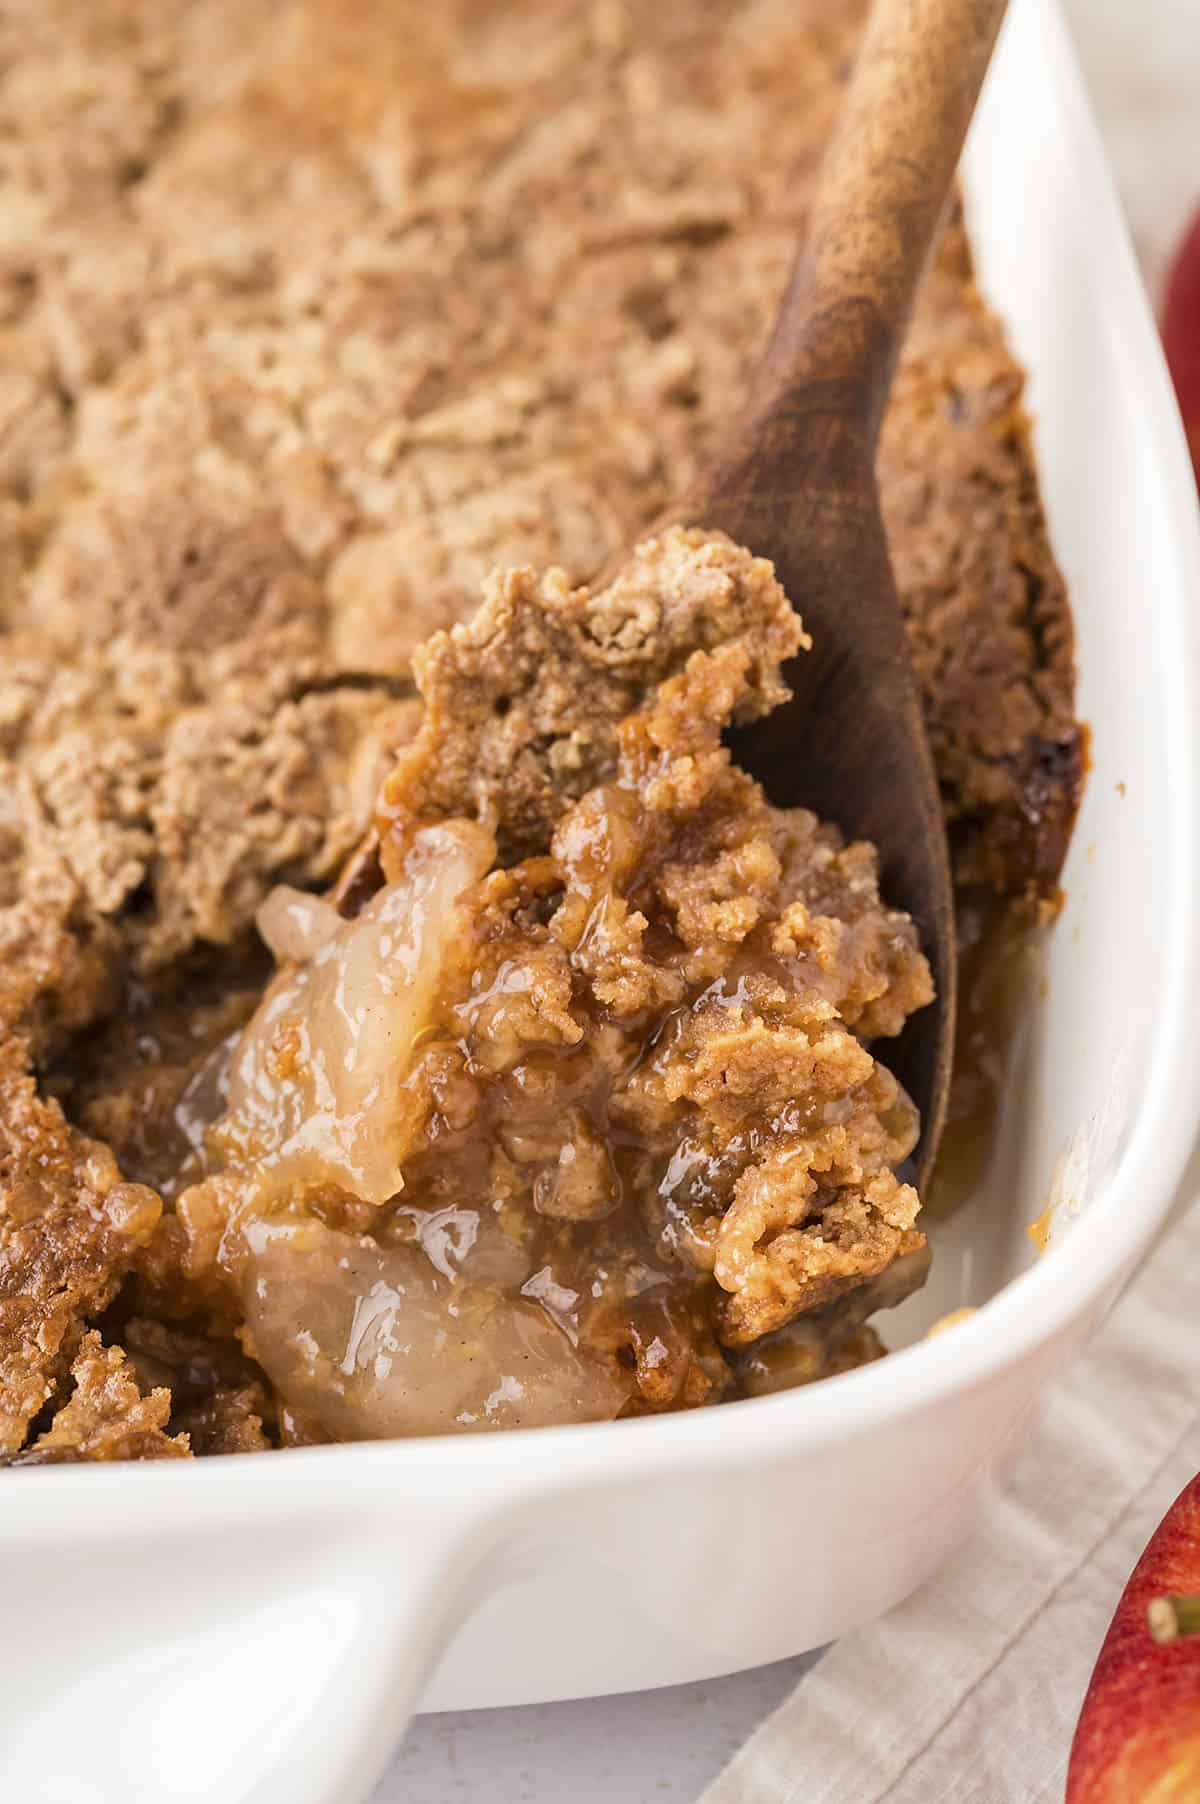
106 1416
174 748
989 625
265 269
69 1231
523 701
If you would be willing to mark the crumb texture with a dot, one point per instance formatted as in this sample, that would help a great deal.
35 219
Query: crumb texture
524 702
69 1231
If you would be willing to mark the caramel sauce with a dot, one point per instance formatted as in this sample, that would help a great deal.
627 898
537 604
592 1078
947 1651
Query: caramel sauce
999 973
150 1082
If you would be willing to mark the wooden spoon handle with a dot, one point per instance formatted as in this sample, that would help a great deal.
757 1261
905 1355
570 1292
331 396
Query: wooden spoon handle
883 184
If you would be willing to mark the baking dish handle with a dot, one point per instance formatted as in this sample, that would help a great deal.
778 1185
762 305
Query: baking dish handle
405 1612
275 1660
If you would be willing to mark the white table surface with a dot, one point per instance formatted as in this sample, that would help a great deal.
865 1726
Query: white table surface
650 1747
662 1747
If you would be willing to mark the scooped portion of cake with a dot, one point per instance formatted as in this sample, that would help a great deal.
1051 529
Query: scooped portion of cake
568 1096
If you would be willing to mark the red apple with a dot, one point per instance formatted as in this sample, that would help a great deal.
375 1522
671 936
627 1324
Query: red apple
1138 1736
1181 333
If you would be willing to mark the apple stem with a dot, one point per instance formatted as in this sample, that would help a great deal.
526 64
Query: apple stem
1171 1617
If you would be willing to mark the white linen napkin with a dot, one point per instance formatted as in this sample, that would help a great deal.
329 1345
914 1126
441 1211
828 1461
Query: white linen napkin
968 1692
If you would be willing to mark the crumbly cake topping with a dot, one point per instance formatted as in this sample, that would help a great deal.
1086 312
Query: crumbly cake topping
310 317
524 702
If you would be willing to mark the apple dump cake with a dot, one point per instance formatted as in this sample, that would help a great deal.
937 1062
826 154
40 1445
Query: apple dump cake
397 1039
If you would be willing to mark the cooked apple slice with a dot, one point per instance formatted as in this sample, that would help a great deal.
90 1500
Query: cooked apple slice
374 1342
314 1089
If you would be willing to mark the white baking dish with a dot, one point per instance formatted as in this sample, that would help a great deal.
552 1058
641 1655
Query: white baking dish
258 1629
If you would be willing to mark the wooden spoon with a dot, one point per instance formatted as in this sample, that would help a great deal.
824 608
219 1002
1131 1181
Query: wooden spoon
796 483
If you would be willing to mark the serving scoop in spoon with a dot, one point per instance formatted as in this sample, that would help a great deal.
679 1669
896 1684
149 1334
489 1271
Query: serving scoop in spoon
796 483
